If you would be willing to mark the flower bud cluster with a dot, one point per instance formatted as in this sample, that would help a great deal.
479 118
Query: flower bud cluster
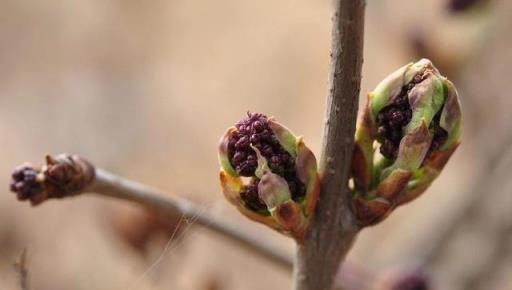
414 118
269 173
61 176
254 131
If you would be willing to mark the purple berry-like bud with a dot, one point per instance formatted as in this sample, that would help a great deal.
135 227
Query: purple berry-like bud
281 183
61 176
392 119
255 130
238 158
249 195
414 116
24 182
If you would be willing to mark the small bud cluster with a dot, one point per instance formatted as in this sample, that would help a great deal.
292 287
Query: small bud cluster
414 116
254 130
61 176
393 118
269 174
391 121
249 195
24 182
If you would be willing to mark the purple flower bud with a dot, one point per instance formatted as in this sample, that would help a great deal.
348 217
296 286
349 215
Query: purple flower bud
61 176
24 182
281 185
249 195
414 115
255 130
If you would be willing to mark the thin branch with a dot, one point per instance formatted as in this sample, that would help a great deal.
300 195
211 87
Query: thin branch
21 268
67 175
71 175
108 184
334 229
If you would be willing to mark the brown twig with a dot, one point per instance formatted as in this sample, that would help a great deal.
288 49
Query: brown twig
108 184
334 229
67 175
21 268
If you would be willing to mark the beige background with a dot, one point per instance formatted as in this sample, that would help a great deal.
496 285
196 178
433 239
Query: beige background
145 89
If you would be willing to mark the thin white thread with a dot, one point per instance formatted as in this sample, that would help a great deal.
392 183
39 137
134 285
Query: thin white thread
190 221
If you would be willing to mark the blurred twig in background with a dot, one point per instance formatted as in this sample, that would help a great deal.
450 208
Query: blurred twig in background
21 268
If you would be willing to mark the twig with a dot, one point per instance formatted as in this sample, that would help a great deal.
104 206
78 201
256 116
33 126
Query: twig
334 229
108 184
67 175
21 268
104 183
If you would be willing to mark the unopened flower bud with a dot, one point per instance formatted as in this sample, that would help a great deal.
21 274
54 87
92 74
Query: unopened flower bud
61 176
414 116
269 174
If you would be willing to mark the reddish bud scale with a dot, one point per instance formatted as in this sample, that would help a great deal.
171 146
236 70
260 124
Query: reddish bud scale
254 130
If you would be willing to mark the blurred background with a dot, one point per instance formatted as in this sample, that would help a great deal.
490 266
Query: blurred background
146 88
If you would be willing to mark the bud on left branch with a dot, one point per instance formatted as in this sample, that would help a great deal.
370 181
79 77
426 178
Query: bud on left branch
61 176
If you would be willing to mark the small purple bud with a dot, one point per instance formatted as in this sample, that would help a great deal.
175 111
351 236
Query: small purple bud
243 143
382 131
255 139
267 151
388 149
238 158
249 195
258 126
266 135
252 161
396 118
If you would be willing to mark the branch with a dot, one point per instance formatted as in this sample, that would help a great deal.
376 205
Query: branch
108 184
334 229
70 175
